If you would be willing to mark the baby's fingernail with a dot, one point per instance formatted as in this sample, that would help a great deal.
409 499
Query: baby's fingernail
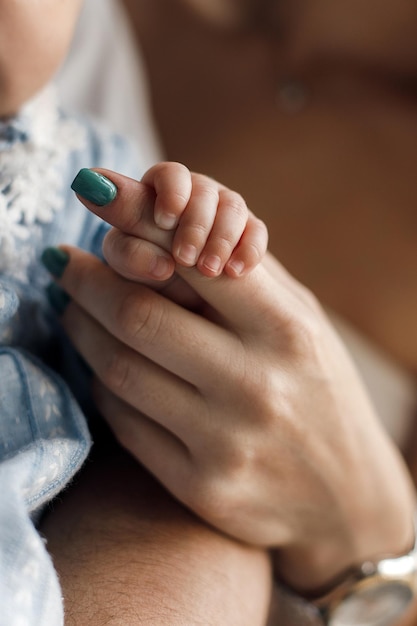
212 263
237 267
55 260
167 221
159 267
58 298
94 187
187 254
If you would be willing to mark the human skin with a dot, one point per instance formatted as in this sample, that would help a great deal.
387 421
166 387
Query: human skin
349 122
17 99
116 529
128 553
333 181
214 228
34 38
283 348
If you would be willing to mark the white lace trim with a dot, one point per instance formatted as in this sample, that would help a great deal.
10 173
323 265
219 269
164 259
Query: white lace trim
31 176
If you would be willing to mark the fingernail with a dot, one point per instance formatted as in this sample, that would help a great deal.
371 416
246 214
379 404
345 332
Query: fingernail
237 267
94 187
58 298
212 263
55 260
159 267
187 254
167 221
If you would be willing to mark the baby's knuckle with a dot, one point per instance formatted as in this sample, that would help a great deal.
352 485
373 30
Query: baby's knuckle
179 200
207 192
166 168
225 242
253 253
196 232
174 166
235 203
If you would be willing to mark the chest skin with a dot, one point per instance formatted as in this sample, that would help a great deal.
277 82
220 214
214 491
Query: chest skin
336 181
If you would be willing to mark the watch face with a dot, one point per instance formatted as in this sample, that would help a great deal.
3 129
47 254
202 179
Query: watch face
379 605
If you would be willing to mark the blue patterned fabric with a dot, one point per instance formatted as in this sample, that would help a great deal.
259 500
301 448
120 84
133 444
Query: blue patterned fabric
44 437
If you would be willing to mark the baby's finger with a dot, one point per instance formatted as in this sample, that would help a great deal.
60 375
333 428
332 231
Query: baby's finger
142 261
172 184
137 259
228 227
197 221
250 249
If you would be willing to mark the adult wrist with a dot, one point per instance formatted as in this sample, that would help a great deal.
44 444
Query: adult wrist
311 571
375 593
376 525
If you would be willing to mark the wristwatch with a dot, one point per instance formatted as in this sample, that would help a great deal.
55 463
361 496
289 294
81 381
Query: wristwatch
374 594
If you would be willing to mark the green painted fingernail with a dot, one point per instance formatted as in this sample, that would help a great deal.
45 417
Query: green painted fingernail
94 187
58 298
55 260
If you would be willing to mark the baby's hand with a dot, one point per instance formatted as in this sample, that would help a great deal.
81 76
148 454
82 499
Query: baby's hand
214 228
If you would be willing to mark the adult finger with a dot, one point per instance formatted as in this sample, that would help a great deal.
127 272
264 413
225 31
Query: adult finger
276 300
135 379
130 209
161 452
150 324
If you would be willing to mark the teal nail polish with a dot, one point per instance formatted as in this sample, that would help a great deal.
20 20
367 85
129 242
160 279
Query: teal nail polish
94 187
58 298
55 260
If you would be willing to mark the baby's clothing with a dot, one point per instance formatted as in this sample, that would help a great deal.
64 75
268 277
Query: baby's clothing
44 437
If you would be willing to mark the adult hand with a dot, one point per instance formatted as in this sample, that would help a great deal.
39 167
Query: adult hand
249 411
